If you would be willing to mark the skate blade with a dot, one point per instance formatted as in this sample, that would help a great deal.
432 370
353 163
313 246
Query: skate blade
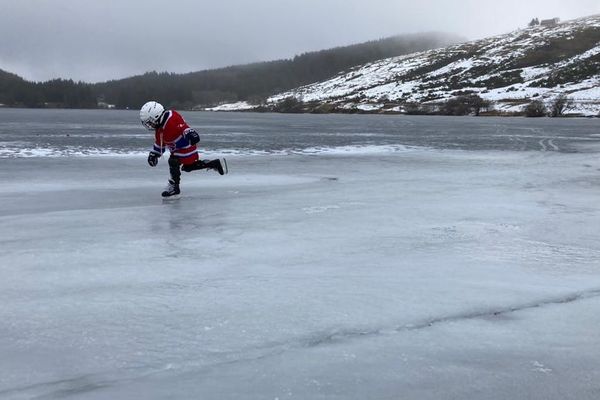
170 198
224 165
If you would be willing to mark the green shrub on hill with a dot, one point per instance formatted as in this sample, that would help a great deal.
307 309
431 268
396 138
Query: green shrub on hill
536 109
560 49
465 105
576 72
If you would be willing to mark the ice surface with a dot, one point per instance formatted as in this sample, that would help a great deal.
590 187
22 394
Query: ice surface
413 273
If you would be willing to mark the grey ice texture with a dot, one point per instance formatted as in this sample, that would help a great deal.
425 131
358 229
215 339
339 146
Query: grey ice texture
366 267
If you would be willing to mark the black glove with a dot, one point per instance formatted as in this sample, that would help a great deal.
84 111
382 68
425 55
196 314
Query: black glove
152 159
192 136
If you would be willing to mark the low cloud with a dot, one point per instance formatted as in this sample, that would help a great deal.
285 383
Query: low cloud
96 41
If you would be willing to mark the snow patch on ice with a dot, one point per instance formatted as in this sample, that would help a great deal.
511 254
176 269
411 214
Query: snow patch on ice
19 152
320 209
539 367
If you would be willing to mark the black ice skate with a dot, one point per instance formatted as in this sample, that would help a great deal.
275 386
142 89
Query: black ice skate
172 190
219 165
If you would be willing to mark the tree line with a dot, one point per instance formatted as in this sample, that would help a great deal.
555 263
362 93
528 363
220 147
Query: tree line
462 105
63 93
251 82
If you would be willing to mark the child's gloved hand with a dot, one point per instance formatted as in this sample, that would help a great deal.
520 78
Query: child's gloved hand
192 136
152 159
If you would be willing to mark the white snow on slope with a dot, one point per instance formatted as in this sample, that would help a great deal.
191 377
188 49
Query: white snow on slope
239 106
427 77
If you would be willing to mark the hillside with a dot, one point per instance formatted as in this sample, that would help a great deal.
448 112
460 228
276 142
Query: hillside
255 82
9 84
252 83
508 70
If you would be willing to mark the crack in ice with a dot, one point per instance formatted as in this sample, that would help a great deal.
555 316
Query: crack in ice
88 383
344 335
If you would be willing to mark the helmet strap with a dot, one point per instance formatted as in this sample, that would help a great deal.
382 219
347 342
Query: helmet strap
162 119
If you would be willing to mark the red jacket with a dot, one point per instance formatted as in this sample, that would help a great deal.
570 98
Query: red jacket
172 136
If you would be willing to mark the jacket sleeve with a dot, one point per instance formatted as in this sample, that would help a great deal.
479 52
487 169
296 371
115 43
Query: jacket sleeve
159 146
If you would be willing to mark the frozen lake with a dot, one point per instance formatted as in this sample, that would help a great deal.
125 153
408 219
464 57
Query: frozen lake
343 257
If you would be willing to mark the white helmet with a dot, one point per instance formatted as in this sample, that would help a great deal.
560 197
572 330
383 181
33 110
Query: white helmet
150 114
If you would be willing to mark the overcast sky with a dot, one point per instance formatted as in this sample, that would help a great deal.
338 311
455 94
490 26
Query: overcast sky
96 40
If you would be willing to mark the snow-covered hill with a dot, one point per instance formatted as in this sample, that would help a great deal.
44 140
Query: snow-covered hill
509 70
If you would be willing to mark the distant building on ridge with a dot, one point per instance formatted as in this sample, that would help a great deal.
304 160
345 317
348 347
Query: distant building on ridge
550 22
